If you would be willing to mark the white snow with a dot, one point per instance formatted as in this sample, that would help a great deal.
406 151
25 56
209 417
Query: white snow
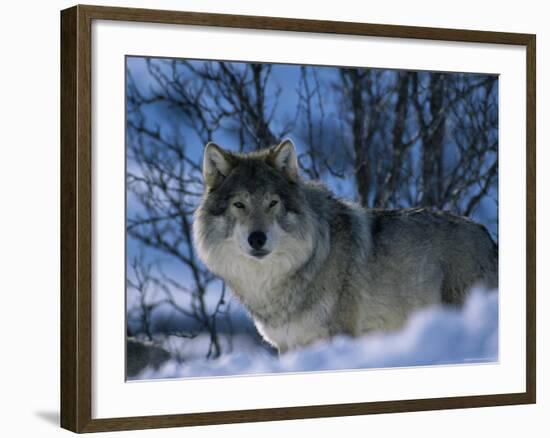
432 336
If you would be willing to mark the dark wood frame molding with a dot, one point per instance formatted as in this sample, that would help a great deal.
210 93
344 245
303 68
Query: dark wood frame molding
76 225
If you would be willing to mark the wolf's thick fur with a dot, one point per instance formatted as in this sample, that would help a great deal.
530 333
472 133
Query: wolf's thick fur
307 265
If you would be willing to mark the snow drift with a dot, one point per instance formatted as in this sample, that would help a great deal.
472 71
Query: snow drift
432 336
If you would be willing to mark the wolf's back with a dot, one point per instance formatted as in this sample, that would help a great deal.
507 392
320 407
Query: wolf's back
460 249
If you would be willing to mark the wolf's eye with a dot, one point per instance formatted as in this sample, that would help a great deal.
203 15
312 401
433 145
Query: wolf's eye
239 204
273 203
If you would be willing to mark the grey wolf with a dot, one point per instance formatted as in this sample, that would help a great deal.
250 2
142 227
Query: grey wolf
308 266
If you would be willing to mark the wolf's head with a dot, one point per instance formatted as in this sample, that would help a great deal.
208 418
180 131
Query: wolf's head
254 214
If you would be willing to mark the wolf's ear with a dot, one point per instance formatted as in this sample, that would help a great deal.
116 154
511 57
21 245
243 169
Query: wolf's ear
216 165
284 159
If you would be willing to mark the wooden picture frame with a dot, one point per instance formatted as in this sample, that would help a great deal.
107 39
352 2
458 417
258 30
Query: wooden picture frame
76 217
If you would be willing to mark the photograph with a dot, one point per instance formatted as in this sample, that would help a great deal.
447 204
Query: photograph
266 218
293 218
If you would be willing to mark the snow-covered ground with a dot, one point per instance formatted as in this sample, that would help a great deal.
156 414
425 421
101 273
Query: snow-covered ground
432 336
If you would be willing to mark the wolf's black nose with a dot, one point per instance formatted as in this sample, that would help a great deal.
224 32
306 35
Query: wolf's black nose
257 239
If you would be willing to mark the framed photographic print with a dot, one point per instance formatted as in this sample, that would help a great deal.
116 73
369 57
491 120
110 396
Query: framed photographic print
268 218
